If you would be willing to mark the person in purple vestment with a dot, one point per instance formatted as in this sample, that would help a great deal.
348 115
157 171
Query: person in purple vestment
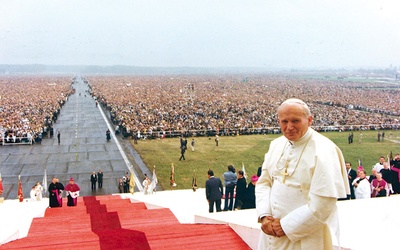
72 192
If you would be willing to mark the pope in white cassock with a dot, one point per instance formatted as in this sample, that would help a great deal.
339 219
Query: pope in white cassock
303 175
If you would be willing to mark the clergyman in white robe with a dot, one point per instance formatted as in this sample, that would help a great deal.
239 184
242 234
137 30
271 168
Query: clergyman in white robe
363 189
305 198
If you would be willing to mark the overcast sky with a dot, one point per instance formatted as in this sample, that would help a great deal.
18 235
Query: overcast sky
201 33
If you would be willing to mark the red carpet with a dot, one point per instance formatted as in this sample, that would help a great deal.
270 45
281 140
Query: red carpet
109 222
108 227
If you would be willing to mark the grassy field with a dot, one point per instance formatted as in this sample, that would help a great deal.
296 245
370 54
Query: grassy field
247 150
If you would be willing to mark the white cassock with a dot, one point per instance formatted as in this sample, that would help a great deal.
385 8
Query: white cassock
363 190
305 200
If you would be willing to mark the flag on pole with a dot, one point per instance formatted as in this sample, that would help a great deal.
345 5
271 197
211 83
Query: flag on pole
244 171
44 183
172 177
20 193
131 183
154 181
194 181
1 185
360 166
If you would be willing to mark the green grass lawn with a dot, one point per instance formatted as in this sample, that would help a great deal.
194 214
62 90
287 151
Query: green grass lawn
248 150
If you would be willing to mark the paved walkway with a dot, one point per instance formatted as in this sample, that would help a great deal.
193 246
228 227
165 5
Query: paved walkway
83 149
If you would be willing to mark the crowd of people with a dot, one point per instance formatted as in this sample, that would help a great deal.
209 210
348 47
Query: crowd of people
383 181
29 105
162 106
157 106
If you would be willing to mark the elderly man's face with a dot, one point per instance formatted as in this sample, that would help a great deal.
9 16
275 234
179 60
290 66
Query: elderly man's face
293 121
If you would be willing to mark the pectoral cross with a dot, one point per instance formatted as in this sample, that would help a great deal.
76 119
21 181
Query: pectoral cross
284 173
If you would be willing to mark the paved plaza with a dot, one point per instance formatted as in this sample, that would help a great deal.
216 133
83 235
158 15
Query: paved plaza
83 149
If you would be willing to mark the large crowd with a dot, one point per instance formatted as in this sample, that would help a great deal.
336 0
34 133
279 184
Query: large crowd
30 104
235 104
198 104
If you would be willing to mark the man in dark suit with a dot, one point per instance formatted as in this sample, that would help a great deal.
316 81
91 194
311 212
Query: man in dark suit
93 180
214 192
100 178
351 174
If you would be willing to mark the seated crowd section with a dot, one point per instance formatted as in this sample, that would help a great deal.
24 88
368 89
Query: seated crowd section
29 105
171 106
184 105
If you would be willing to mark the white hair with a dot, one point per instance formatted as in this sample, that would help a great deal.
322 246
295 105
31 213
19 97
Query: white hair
296 101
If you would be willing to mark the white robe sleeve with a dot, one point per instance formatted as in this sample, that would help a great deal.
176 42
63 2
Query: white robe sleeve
263 190
304 220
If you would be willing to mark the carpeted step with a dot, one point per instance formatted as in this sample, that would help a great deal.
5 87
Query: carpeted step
63 241
195 237
115 223
123 239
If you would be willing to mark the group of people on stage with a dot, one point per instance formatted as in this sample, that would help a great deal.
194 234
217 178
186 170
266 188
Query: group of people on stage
238 194
383 181
56 189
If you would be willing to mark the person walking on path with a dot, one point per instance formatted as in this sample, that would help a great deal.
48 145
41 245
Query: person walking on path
59 137
183 150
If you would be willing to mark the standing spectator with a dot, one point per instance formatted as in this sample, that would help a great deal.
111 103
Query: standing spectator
126 182
146 184
302 177
350 138
250 200
40 138
93 180
241 186
39 191
214 192
383 136
121 185
387 176
216 140
379 136
192 144
362 187
100 178
379 187
378 166
352 175
395 169
230 180
58 137
72 193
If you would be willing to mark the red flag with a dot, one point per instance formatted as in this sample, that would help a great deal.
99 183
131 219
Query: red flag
20 193
1 185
